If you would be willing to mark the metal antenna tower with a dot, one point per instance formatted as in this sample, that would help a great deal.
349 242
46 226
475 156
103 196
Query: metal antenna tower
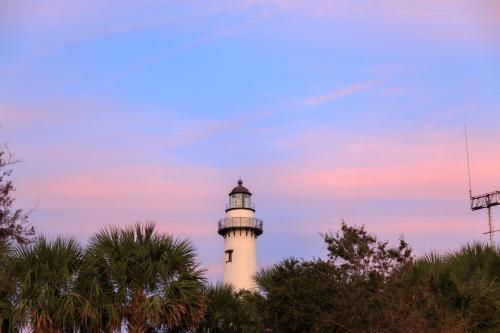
482 201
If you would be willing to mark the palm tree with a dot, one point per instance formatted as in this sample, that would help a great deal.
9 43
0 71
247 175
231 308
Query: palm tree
227 311
221 304
150 279
97 312
466 282
45 274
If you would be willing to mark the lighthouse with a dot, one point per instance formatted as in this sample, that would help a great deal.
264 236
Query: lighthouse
240 230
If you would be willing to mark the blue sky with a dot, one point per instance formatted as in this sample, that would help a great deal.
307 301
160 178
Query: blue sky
328 110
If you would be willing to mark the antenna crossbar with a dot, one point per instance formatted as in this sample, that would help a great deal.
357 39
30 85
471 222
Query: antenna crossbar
485 200
482 201
492 231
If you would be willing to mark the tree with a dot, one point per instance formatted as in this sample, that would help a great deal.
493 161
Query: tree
151 279
363 286
44 275
296 295
465 284
14 223
358 255
227 311
6 287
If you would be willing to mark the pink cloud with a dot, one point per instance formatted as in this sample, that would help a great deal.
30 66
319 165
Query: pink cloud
443 20
404 166
17 114
60 12
328 168
57 111
155 187
184 201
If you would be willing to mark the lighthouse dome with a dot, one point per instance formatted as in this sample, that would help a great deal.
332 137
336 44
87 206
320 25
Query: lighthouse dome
240 189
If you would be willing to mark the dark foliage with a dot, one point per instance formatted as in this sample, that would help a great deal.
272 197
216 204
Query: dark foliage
6 286
228 311
465 284
44 275
364 286
140 276
136 276
14 223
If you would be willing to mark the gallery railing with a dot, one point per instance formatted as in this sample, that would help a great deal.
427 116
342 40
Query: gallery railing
251 223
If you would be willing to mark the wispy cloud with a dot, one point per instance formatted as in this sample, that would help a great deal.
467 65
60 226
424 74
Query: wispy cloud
339 93
169 51
199 131
445 20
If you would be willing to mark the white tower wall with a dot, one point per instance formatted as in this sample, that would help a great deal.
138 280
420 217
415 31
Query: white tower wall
240 213
240 270
240 230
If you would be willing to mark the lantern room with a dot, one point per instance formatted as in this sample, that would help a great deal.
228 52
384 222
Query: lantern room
240 198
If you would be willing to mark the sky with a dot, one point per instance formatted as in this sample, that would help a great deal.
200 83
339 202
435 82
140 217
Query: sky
126 111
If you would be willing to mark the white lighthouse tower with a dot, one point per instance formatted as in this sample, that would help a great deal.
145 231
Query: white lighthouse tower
240 230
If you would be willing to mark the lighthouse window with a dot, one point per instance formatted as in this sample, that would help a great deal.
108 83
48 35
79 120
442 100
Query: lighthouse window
229 255
246 201
239 200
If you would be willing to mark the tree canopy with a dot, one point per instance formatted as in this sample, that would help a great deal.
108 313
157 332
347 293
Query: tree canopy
364 285
150 282
14 223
